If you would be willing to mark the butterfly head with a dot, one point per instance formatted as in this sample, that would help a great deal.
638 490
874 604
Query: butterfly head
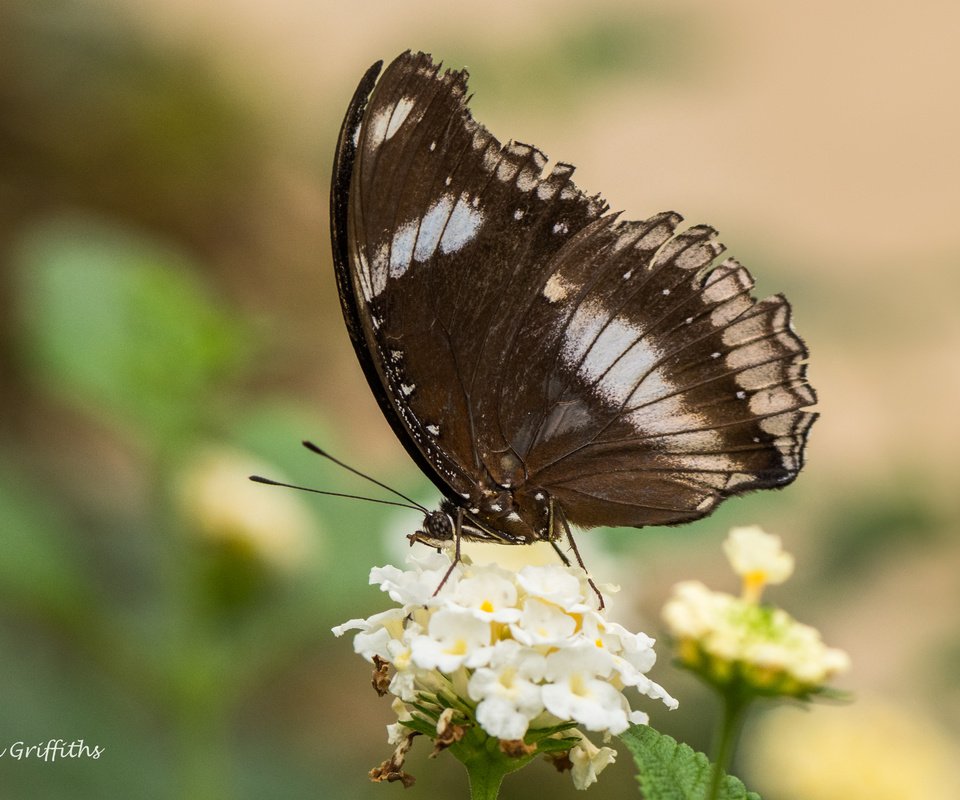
437 529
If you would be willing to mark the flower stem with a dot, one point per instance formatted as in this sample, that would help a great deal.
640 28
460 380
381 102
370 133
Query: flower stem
485 779
734 707
486 763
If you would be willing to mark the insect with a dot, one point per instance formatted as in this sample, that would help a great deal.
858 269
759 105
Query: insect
544 362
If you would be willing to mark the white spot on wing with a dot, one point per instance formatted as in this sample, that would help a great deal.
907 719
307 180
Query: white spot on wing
615 377
655 237
527 179
737 479
623 368
507 170
400 113
401 249
373 274
770 401
556 288
378 128
581 330
462 227
431 227
546 190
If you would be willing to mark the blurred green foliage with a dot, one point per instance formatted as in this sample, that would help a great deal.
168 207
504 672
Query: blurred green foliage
40 566
146 610
123 326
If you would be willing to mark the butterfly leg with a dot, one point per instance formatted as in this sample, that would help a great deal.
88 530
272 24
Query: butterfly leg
551 528
563 556
557 515
457 526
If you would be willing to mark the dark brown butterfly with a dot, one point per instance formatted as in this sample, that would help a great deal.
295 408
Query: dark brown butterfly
540 359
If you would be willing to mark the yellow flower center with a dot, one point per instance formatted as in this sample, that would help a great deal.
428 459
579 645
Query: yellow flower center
578 686
458 648
753 583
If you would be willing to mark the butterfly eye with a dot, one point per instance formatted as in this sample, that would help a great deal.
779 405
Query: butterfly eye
438 526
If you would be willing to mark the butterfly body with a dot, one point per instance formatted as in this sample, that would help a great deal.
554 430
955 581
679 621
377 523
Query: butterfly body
541 360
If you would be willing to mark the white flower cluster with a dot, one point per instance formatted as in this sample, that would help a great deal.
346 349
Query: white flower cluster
524 650
729 638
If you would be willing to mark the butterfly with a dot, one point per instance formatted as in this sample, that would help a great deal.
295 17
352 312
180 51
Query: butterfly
544 362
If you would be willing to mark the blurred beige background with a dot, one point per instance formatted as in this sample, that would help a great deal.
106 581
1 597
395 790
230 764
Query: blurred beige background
825 133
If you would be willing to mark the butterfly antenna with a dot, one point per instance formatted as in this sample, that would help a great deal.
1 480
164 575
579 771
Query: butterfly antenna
314 449
271 482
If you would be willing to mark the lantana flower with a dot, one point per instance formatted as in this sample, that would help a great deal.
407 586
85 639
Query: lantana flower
737 641
521 657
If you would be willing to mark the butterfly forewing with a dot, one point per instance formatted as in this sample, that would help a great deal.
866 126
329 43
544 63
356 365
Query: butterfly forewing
514 332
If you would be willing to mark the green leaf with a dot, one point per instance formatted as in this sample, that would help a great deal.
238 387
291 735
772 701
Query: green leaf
669 770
